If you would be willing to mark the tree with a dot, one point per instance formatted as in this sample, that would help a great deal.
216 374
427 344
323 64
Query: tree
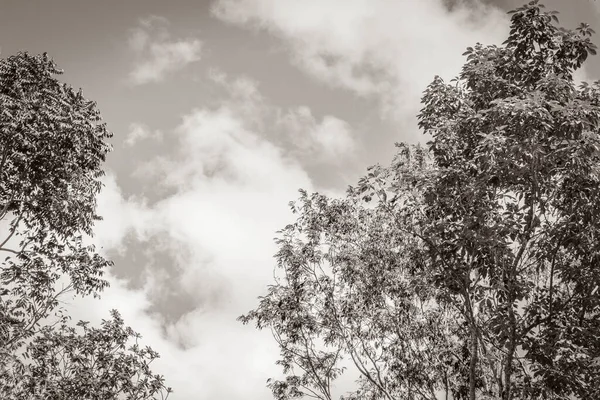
470 268
52 147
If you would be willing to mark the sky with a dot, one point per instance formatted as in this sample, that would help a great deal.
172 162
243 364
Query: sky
221 110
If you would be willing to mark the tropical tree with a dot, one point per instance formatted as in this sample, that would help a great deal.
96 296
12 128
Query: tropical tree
52 147
467 270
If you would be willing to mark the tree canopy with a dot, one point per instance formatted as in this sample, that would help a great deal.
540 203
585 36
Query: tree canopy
469 268
53 144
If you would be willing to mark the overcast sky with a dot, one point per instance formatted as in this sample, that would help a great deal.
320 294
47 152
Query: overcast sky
221 111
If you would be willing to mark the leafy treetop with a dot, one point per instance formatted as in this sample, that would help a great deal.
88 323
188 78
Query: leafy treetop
467 269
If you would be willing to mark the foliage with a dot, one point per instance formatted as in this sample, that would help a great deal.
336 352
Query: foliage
52 147
467 269
95 364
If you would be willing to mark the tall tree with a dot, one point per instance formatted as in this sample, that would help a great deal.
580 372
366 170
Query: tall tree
52 147
469 269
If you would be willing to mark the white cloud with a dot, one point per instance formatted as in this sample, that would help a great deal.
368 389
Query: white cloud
242 95
390 49
331 139
138 131
240 88
231 188
120 216
157 53
296 129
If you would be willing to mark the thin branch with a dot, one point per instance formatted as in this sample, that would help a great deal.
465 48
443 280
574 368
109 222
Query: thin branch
13 229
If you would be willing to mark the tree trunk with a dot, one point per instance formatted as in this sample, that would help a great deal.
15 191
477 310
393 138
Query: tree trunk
473 361
507 395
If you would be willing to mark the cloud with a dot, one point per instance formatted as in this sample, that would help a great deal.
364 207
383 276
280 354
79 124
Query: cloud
157 53
229 192
138 131
296 130
241 93
122 217
386 49
330 139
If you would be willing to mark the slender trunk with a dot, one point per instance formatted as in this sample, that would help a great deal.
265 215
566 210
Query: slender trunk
507 395
508 372
500 384
551 294
446 386
473 361
470 316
